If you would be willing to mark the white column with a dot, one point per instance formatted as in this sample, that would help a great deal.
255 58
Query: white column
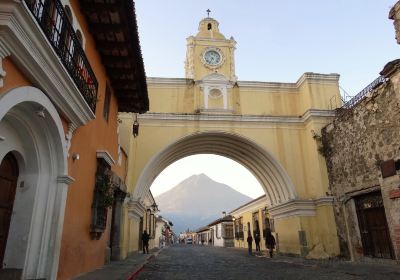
206 91
225 95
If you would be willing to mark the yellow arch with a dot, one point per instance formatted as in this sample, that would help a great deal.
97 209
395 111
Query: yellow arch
262 164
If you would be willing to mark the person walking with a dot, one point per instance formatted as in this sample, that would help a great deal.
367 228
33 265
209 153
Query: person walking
270 242
257 241
250 243
145 240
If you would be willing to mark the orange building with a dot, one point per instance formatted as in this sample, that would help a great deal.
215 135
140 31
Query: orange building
66 68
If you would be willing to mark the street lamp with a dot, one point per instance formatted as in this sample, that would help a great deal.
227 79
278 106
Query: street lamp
135 127
154 206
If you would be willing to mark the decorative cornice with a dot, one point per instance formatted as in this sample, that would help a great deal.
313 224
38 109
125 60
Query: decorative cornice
135 209
317 78
299 207
256 204
288 209
156 81
106 156
290 87
30 49
312 113
65 179
286 87
214 111
324 201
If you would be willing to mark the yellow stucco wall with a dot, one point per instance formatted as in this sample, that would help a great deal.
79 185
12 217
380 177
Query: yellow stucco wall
278 117
292 145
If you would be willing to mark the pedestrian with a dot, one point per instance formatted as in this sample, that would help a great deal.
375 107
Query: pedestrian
270 242
250 242
257 241
145 240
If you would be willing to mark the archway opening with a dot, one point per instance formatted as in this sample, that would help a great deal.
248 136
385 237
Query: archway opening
198 189
262 164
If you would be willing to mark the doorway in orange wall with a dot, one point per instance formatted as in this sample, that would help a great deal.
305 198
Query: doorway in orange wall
8 184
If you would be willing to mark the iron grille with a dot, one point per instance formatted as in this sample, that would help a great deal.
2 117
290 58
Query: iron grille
54 23
361 95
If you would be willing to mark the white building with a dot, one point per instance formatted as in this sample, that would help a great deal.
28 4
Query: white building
221 232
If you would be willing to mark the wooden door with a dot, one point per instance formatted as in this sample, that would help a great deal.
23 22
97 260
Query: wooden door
373 226
8 184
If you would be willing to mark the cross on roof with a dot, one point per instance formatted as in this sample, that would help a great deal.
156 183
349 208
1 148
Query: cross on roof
208 12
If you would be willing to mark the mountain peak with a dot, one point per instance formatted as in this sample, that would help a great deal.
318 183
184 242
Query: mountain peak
198 200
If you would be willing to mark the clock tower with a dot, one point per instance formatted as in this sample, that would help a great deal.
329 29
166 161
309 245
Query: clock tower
210 52
210 62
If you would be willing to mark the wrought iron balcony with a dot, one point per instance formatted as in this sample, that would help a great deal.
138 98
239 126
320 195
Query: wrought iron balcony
54 23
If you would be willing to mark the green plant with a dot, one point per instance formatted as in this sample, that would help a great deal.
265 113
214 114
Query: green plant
323 149
104 191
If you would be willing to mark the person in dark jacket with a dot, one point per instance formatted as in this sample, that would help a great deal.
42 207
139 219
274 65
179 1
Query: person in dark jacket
145 240
257 241
250 242
270 242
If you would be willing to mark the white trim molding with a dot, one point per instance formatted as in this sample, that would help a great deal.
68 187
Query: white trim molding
38 142
2 71
299 207
136 209
23 39
106 156
258 203
65 179
228 117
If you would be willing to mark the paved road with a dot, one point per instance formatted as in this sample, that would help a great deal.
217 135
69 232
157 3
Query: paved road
196 262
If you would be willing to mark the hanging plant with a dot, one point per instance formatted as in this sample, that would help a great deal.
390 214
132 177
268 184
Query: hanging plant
104 191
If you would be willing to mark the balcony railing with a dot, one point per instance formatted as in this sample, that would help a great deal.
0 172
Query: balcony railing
360 96
54 23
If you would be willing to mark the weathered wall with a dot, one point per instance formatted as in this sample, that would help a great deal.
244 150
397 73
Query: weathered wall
355 145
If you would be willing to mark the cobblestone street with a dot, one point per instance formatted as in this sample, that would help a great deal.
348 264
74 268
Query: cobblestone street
196 262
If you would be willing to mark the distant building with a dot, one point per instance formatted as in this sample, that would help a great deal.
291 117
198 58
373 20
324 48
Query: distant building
254 218
164 234
222 232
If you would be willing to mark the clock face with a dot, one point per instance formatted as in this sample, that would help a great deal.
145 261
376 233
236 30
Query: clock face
212 57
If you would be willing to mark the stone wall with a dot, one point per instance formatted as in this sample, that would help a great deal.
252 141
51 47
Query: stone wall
355 145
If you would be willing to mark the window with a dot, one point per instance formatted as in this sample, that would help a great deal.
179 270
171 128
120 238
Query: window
102 199
209 26
267 223
239 228
256 225
228 231
107 99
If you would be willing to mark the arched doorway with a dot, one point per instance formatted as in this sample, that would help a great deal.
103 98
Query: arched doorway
8 184
32 131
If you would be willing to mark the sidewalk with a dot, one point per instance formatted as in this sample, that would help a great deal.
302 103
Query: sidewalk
120 270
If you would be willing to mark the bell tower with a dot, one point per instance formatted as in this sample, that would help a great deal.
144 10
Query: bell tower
210 52
210 62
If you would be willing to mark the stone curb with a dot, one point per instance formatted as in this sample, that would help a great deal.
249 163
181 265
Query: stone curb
141 266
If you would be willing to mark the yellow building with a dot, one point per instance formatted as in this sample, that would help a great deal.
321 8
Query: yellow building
267 127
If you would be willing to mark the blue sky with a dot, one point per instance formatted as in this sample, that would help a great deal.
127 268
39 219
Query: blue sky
277 41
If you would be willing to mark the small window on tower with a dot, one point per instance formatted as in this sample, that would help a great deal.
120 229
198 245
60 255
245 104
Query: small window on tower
209 26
